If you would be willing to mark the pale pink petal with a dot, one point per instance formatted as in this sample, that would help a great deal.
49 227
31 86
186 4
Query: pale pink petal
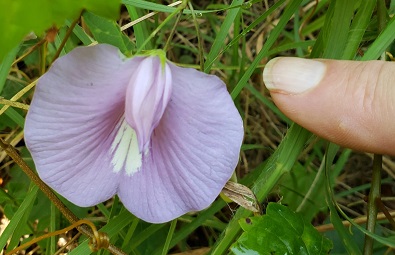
194 150
76 112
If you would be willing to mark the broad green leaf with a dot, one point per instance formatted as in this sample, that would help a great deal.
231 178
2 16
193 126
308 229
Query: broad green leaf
280 231
107 31
20 17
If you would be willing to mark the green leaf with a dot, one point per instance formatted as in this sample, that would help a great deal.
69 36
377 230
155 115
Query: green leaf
20 17
107 31
280 231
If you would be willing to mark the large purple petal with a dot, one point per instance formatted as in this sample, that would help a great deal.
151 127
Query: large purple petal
73 120
194 150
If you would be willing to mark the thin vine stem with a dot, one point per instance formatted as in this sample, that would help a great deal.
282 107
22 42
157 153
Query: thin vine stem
100 242
199 37
172 32
66 37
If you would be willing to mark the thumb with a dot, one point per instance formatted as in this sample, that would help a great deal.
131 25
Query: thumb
346 102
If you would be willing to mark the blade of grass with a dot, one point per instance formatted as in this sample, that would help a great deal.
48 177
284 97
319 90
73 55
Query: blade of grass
223 33
247 29
80 33
288 12
15 116
144 235
19 214
345 235
52 228
333 37
359 24
141 31
5 66
163 8
268 103
169 237
386 37
129 234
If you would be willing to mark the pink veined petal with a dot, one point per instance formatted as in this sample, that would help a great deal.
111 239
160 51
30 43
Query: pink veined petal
73 120
147 95
194 150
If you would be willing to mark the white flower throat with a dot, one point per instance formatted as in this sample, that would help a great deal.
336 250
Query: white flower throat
125 149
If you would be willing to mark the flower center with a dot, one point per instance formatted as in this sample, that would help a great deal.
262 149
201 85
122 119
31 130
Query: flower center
125 149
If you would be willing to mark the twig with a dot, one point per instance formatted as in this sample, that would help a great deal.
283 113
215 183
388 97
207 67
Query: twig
66 37
18 95
359 220
134 22
14 104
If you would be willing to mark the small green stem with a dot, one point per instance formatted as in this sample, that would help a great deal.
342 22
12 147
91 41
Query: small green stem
66 37
199 37
173 30
387 214
162 24
374 194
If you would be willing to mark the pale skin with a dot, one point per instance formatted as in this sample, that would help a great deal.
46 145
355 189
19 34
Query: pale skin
349 103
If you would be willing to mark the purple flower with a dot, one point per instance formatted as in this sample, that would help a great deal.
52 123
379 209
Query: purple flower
164 138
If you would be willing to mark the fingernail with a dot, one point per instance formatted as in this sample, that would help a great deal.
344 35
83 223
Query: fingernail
293 75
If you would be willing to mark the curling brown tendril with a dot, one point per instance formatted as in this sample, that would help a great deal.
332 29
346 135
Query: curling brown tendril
307 19
99 240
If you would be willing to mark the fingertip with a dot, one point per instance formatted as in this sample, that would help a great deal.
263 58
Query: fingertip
293 75
349 103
